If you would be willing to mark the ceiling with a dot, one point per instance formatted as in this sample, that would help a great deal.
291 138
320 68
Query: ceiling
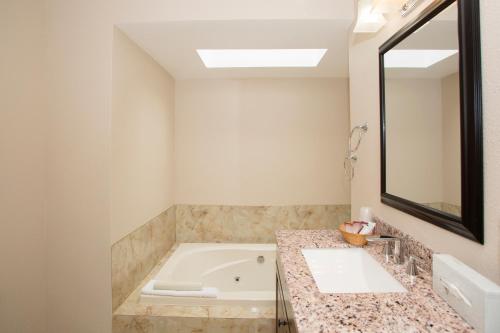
173 44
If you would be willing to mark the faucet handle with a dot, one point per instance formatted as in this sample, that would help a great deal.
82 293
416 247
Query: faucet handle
389 245
411 268
388 251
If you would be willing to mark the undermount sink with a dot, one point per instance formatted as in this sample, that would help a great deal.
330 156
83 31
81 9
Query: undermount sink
349 270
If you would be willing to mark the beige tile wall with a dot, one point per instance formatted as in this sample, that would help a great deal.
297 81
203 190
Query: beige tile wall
195 223
151 324
135 255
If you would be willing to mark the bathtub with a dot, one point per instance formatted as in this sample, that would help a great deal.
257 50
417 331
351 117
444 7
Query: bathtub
242 274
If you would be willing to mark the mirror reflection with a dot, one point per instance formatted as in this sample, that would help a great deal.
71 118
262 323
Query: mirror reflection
422 110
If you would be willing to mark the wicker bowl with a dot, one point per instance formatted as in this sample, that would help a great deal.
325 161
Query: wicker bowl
354 239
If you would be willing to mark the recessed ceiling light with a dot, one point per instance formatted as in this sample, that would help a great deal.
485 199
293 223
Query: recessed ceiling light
246 58
415 58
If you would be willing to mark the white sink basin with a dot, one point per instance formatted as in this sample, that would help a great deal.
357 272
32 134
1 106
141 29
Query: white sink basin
349 270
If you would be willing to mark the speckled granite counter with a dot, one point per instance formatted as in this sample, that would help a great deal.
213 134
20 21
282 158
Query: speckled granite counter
418 310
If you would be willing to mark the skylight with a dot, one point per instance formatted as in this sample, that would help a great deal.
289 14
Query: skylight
415 58
261 58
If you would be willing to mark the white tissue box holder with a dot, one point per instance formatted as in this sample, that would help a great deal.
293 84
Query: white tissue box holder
473 296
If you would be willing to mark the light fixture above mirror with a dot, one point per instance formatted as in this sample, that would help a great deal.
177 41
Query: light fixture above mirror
371 13
386 6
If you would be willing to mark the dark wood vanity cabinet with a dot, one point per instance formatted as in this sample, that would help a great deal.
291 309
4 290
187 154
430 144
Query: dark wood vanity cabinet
282 325
284 315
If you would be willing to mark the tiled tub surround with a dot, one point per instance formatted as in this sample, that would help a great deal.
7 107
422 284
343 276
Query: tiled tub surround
451 209
445 207
418 310
136 317
252 224
135 255
151 324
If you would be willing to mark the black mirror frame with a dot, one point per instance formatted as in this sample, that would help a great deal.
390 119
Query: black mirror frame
470 224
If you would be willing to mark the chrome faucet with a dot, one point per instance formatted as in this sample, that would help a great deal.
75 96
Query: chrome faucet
393 248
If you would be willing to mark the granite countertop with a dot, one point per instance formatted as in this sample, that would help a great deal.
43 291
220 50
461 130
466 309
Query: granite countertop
418 310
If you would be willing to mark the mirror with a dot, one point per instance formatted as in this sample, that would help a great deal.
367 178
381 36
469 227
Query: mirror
430 119
422 115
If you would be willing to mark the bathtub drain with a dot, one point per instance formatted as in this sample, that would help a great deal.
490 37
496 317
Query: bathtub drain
237 279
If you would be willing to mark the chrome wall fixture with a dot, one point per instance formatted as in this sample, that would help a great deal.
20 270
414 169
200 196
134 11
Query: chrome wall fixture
409 6
351 157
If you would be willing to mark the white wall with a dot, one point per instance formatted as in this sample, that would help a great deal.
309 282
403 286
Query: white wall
261 141
23 116
142 138
365 189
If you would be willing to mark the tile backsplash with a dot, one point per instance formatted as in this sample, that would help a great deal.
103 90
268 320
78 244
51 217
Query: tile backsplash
252 224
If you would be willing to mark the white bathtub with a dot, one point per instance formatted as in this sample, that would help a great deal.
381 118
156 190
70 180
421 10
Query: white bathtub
233 269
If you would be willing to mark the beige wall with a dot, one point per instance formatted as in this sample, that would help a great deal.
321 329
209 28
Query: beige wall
142 138
79 46
423 120
261 141
414 139
451 140
79 43
365 189
80 40
22 167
